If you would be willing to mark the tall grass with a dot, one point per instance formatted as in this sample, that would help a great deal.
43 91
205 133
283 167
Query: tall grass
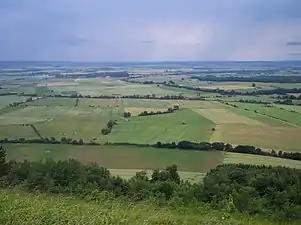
19 208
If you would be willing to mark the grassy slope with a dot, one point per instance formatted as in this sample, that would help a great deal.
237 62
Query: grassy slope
180 125
30 209
119 157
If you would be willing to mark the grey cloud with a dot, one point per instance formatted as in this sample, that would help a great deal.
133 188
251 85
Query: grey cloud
148 42
76 41
293 43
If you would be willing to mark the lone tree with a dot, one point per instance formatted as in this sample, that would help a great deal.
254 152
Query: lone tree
253 85
127 114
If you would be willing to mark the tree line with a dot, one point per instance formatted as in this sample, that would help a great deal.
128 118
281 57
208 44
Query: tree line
261 78
220 146
151 113
108 129
257 190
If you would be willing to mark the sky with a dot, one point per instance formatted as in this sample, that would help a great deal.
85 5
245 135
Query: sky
150 30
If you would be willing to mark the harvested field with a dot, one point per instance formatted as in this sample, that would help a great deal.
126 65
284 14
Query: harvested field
56 84
224 116
264 136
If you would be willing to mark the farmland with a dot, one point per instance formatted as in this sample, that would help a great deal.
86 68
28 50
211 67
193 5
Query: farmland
195 121
104 86
211 118
122 160
151 126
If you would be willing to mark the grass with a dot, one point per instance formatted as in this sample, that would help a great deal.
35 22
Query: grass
259 160
119 157
19 208
181 125
8 99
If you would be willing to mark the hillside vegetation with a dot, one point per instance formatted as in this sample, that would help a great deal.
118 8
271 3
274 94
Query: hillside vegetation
272 192
19 208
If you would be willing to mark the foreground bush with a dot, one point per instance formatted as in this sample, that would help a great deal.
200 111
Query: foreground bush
38 209
257 190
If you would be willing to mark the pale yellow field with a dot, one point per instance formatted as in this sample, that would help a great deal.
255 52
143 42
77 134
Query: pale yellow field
193 177
228 87
264 136
224 116
54 84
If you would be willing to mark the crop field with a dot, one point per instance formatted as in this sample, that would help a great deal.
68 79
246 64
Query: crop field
105 86
125 159
235 158
290 117
182 125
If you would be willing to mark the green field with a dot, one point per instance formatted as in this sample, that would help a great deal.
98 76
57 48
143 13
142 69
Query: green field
119 157
37 209
181 125
8 99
